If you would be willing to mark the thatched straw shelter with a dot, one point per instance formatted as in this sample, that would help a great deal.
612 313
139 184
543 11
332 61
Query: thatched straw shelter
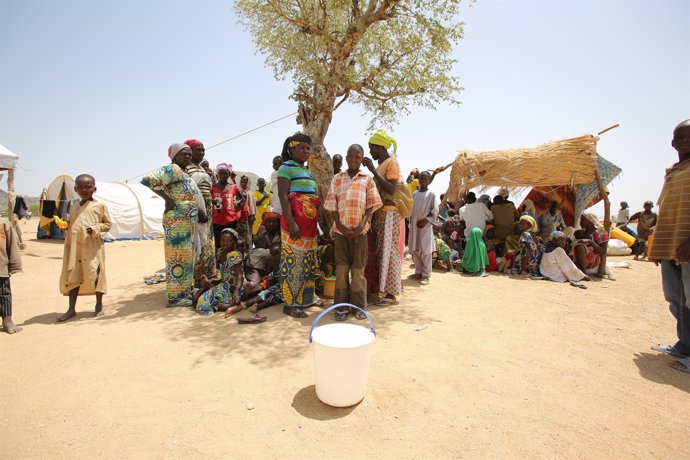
570 163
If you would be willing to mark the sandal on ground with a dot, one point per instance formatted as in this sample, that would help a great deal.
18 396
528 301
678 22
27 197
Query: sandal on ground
682 365
384 301
424 281
251 320
179 303
360 315
668 350
295 312
578 285
340 314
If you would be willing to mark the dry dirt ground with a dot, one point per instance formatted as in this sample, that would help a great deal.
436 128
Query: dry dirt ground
496 367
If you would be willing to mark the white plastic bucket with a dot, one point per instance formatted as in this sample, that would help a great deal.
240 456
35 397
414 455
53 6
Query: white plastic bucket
341 359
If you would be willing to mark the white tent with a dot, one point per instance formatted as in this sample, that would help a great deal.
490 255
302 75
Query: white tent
135 211
8 162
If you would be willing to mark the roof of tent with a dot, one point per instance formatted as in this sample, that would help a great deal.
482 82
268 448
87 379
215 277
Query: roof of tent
8 160
135 211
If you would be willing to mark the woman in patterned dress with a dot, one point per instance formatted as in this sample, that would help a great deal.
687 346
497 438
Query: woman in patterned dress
226 295
298 225
184 206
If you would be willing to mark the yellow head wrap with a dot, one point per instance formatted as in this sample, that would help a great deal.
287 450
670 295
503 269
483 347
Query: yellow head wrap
533 223
382 138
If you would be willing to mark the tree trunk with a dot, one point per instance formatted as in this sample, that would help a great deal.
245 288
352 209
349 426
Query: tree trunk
320 164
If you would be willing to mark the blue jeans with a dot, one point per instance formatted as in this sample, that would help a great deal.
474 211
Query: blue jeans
675 280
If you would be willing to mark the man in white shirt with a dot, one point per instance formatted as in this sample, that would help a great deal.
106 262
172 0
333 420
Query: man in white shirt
475 215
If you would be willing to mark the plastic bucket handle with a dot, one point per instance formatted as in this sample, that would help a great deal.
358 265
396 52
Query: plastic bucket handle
371 323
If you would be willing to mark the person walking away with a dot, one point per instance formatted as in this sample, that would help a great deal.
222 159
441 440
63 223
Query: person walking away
672 245
10 263
352 199
83 260
422 243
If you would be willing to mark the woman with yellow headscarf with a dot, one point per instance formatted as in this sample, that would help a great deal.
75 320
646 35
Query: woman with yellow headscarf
528 259
387 221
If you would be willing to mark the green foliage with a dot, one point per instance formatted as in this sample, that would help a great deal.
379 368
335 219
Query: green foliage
383 54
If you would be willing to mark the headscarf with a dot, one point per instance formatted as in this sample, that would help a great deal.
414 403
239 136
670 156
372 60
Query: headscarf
233 232
556 234
175 149
593 219
270 215
475 258
193 142
250 196
486 199
533 223
503 191
529 207
223 166
382 138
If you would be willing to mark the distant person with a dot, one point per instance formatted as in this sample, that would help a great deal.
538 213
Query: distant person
83 260
475 214
672 246
352 200
10 263
646 221
422 243
275 201
337 163
589 251
504 217
227 204
262 200
557 266
550 221
623 215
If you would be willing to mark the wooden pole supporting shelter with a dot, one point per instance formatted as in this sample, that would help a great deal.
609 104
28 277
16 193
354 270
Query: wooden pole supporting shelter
10 193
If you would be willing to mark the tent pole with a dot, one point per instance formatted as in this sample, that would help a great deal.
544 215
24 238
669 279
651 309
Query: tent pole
605 197
10 193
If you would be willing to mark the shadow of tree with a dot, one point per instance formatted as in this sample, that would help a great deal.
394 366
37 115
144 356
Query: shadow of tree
279 340
308 405
654 367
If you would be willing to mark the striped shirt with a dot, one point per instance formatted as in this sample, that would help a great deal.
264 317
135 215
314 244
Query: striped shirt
673 225
301 180
351 198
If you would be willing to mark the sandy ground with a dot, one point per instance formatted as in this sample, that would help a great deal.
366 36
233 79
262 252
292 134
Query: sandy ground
496 367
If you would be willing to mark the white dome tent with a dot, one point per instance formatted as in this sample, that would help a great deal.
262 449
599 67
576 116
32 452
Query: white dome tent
135 211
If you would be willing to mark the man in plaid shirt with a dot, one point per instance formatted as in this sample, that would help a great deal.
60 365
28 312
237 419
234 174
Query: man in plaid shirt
352 199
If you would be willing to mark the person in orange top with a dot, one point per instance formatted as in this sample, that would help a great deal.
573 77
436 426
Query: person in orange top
672 246
387 220
352 200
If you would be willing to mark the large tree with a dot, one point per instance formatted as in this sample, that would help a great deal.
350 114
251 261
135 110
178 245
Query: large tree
382 54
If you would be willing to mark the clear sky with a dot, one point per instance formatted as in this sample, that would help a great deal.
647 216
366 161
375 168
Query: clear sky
105 87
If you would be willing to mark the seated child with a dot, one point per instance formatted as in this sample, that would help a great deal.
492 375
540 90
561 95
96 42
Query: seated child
442 255
224 296
270 293
493 246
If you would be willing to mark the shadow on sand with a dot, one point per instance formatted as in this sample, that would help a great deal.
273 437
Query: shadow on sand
279 340
308 405
654 367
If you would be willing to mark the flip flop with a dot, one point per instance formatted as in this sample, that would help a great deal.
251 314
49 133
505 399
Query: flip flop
340 315
360 315
682 365
668 350
251 320
383 301
578 285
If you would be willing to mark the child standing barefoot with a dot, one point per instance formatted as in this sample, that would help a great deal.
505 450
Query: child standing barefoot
10 263
83 261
